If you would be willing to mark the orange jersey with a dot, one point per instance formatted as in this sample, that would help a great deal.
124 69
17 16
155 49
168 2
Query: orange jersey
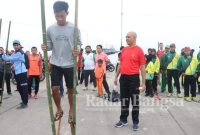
35 63
99 72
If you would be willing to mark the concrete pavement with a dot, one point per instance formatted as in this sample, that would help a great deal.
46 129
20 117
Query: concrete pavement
95 116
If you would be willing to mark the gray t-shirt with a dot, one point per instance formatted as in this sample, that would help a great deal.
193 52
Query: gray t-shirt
60 40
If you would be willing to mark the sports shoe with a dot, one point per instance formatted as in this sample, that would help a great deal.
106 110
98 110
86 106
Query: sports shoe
135 127
95 89
121 124
194 99
85 88
188 99
169 94
179 95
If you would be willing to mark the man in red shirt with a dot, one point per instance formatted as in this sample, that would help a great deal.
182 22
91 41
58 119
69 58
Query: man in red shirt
132 60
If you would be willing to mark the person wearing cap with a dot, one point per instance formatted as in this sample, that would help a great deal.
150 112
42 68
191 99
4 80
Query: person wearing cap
187 65
171 60
18 60
163 70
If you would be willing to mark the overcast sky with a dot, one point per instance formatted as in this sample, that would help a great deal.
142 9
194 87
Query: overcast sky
167 21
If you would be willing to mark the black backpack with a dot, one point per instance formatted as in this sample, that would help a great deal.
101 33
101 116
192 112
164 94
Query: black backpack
26 61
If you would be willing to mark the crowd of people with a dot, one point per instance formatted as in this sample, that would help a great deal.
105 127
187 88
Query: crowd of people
173 65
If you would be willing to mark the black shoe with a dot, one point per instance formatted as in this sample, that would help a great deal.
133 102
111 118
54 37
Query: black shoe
151 95
135 127
22 106
9 93
147 94
121 124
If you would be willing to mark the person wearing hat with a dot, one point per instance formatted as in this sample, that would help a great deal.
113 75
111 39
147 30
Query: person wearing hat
163 70
187 65
171 60
18 60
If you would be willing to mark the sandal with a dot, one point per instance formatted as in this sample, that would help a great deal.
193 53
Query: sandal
70 119
58 116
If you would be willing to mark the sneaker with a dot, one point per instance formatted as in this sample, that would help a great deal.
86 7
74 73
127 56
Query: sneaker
157 98
95 89
194 99
86 88
9 93
169 94
121 124
179 95
35 96
151 95
135 127
22 106
188 99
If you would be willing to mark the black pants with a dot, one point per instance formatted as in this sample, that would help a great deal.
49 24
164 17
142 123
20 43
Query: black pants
105 85
90 73
30 82
155 84
79 73
149 87
82 77
198 83
128 90
22 86
7 79
173 73
190 82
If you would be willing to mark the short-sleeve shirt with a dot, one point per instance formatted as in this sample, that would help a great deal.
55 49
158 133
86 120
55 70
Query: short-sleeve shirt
104 57
131 59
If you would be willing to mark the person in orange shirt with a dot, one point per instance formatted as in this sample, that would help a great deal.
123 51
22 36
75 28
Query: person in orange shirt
99 73
34 71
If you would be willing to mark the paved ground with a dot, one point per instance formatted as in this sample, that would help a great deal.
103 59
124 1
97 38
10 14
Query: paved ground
170 116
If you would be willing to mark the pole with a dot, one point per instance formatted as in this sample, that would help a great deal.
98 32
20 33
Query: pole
4 63
121 22
46 68
73 125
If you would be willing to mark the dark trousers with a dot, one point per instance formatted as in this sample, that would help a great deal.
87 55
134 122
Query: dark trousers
128 90
190 85
105 85
90 73
7 79
82 77
198 83
149 87
30 82
173 73
22 86
155 84
79 73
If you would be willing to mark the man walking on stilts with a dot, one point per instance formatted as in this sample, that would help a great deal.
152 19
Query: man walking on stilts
60 40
